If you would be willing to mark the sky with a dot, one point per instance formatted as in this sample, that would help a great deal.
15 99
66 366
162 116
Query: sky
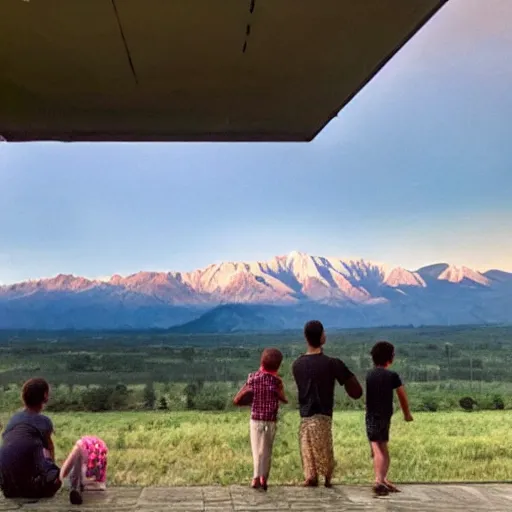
417 169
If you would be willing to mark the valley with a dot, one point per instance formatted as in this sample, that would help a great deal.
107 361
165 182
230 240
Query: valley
145 370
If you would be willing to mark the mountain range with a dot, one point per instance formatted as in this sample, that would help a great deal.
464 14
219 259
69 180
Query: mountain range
281 293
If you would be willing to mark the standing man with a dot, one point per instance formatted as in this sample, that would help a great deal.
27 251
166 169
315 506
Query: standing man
316 375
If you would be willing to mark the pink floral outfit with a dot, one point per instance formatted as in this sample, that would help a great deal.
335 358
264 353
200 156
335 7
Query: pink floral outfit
95 453
86 465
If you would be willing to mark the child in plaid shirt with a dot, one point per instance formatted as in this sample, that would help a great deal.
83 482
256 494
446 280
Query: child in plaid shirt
267 391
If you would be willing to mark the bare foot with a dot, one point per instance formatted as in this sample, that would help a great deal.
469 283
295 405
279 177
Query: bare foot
380 490
391 487
311 482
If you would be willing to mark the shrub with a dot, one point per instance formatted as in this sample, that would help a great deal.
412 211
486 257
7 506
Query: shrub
498 403
191 391
430 404
119 397
211 398
149 396
210 403
97 399
106 398
467 403
65 403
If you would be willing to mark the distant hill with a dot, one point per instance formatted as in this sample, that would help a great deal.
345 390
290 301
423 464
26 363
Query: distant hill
260 318
275 294
235 318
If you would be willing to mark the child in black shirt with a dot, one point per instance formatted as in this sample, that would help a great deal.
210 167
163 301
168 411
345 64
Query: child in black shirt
380 384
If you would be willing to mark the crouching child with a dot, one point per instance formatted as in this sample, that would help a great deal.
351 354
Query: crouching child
86 467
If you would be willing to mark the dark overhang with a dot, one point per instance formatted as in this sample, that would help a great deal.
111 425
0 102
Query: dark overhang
191 70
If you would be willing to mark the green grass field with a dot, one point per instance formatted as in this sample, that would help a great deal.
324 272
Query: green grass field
191 448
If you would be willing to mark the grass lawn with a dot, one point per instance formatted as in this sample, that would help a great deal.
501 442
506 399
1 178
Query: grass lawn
191 448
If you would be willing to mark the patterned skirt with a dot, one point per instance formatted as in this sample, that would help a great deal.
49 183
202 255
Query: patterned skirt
316 447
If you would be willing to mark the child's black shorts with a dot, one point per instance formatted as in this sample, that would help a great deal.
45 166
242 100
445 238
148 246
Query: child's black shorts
377 428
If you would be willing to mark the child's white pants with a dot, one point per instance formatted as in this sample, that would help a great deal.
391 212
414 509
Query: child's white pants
262 440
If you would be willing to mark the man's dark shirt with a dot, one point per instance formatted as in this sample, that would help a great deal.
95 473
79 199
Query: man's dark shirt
21 454
380 384
316 376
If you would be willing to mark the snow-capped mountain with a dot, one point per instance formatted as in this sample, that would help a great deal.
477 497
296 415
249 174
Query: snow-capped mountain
452 274
355 291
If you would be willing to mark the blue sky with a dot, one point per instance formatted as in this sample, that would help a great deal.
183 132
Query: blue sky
416 170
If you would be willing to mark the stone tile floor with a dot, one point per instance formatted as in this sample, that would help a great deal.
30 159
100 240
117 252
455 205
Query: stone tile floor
414 498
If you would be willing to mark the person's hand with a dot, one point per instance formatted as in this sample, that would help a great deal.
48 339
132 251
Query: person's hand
408 417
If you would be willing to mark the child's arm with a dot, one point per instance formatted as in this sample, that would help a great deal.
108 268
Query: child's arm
243 397
51 446
280 393
48 432
404 403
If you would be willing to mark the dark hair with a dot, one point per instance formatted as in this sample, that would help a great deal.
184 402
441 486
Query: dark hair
271 359
313 331
382 353
35 392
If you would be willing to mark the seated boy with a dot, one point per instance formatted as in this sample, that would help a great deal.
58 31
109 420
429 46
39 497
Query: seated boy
380 384
27 468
